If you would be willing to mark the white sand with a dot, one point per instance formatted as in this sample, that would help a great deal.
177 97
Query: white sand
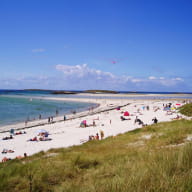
68 133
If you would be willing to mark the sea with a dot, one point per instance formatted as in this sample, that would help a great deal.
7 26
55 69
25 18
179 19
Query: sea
20 105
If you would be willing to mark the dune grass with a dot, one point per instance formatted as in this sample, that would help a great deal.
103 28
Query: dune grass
186 110
156 158
126 162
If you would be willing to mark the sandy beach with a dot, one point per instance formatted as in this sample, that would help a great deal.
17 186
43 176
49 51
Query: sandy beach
68 133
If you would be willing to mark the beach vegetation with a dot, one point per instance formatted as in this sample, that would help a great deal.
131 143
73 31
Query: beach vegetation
186 109
155 158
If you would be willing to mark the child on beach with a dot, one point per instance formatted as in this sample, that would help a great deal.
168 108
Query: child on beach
101 134
97 136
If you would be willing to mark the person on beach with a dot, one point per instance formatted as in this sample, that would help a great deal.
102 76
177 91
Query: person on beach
49 119
139 121
5 159
101 134
64 118
90 138
155 120
12 131
6 138
97 136
94 123
40 116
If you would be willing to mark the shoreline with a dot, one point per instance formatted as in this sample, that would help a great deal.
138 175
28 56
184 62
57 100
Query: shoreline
107 118
98 101
59 118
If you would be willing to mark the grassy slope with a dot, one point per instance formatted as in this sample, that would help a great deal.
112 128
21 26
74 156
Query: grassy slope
127 162
187 110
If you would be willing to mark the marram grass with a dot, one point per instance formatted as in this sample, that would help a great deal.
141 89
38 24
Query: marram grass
186 110
127 162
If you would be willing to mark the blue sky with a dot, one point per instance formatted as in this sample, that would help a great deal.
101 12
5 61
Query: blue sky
130 45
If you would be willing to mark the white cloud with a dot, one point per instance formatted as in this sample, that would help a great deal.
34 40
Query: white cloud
39 50
84 74
78 77
82 71
136 80
152 78
177 79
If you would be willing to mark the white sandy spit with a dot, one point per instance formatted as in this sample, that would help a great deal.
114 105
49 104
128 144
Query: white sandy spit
69 133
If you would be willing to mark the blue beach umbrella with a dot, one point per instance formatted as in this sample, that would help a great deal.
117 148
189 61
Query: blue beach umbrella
41 131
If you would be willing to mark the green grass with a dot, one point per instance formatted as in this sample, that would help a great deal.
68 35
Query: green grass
186 110
127 162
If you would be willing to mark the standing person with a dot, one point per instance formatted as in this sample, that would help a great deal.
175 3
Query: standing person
57 112
39 116
49 119
97 136
155 120
64 118
101 134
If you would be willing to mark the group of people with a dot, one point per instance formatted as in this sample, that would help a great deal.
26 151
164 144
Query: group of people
50 119
42 136
5 159
140 122
96 137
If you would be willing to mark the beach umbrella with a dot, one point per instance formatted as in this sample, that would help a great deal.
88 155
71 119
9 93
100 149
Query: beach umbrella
126 113
41 131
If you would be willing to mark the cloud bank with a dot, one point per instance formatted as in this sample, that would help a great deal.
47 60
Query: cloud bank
82 77
97 79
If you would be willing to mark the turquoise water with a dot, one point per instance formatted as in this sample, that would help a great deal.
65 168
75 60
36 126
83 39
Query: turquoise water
14 109
17 106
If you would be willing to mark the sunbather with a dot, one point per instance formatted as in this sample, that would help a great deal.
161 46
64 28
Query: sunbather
33 139
6 138
7 151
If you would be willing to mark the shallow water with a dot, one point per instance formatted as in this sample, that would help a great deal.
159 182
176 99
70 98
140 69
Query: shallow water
14 109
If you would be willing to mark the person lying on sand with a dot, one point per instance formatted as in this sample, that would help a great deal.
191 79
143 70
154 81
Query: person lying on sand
6 138
177 117
44 139
33 139
5 159
7 151
20 132
123 118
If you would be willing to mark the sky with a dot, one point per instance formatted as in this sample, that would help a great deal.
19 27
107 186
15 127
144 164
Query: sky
123 45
